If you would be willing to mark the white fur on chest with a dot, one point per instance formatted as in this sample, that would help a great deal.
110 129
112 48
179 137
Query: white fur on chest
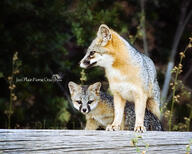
123 87
126 90
114 73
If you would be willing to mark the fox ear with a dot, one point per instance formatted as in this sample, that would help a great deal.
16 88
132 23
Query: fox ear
95 87
73 87
105 34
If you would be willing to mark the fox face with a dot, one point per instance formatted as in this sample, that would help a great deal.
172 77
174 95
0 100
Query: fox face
84 98
97 53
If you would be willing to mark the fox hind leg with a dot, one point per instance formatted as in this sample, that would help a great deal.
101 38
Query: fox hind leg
153 106
154 102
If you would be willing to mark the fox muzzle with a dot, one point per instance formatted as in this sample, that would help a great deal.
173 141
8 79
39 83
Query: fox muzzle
86 64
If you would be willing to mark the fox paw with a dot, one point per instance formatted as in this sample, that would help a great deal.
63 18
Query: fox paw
140 129
113 127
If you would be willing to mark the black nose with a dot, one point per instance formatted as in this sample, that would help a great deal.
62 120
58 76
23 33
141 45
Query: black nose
86 62
84 110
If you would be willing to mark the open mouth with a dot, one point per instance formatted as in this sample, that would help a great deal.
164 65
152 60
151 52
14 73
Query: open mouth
91 65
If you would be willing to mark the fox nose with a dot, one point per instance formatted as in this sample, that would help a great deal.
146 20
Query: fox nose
86 62
84 110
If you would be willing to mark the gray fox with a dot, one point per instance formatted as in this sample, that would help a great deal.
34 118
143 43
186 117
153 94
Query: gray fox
131 75
97 106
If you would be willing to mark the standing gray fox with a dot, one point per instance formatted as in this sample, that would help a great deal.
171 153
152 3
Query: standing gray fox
99 110
132 75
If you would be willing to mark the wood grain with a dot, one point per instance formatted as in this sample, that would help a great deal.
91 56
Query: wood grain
81 141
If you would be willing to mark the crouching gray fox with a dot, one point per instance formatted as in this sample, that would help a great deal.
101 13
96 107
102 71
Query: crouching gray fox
99 110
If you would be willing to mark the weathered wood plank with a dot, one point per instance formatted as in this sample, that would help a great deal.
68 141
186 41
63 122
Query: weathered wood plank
81 141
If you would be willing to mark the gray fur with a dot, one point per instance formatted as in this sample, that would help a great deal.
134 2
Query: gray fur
148 73
151 122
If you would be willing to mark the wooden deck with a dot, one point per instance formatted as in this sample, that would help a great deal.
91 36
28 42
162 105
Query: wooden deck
80 141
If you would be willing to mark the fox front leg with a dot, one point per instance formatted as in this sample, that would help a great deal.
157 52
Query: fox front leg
140 105
119 105
91 124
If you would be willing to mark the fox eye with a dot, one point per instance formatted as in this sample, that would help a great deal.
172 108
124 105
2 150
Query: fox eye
89 102
79 102
92 53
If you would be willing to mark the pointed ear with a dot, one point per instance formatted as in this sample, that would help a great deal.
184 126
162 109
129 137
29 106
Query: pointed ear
95 87
73 87
104 33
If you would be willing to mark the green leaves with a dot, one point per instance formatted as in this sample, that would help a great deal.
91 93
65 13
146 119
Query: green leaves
79 33
1 75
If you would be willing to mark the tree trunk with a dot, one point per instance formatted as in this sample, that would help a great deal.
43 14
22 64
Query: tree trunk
183 20
145 46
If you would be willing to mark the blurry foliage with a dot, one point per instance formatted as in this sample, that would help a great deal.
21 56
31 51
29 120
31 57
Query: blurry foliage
16 64
135 141
51 36
179 90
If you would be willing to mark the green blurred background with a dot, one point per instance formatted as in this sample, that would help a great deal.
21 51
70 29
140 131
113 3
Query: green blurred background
51 37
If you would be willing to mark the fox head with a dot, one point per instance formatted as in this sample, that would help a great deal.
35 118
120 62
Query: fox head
84 98
97 53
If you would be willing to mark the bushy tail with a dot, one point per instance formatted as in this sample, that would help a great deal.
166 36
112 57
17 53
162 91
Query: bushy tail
153 107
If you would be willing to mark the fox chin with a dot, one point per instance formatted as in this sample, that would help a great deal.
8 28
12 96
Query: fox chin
131 75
